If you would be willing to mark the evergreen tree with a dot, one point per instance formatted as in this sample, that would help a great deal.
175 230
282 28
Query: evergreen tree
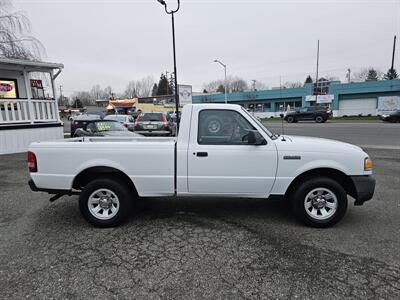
154 90
163 86
391 74
205 91
308 79
372 75
77 104
220 89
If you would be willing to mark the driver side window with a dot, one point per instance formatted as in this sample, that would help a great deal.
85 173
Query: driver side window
222 127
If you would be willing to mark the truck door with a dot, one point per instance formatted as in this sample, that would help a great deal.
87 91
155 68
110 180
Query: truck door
220 160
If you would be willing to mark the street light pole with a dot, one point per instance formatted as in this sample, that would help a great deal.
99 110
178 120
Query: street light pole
226 81
172 13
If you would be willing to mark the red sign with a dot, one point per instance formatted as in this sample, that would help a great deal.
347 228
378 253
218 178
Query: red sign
37 83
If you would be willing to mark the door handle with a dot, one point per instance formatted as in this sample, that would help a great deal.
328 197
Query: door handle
202 154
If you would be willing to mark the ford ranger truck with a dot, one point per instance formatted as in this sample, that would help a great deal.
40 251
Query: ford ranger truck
221 151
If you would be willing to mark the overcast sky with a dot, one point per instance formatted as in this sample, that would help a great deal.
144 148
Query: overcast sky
110 42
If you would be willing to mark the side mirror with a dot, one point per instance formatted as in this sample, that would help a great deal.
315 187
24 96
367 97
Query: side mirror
255 138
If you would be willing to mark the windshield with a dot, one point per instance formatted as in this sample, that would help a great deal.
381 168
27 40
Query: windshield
151 117
263 128
109 126
87 117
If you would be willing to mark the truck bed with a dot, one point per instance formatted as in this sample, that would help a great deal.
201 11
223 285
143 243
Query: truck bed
148 161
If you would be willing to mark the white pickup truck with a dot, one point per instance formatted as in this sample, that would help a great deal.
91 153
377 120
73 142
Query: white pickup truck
221 151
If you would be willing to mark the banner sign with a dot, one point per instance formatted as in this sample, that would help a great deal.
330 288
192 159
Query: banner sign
8 89
388 103
185 94
320 98
37 83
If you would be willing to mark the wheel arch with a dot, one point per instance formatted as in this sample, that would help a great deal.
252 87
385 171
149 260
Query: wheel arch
90 173
331 173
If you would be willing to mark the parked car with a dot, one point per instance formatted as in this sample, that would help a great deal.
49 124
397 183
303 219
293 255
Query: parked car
393 117
153 124
126 120
319 114
82 120
221 151
73 115
104 128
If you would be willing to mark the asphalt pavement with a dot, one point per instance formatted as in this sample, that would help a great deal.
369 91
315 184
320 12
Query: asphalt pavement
370 134
205 248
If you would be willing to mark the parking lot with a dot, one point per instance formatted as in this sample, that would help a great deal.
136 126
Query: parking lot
206 248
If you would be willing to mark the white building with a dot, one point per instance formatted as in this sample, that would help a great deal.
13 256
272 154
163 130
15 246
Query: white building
28 109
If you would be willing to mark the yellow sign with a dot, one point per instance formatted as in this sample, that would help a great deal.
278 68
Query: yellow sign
8 89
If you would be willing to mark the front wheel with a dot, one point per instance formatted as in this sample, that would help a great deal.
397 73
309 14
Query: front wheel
319 119
319 202
105 202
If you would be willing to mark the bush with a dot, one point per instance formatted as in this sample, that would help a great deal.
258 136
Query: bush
271 117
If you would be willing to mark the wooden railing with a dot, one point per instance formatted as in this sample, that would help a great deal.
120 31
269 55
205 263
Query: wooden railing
23 111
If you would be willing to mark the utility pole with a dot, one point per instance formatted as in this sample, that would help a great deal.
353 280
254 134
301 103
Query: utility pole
394 48
254 84
61 96
226 80
316 77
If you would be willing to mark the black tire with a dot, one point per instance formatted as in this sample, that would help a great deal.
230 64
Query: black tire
124 198
290 119
298 202
319 119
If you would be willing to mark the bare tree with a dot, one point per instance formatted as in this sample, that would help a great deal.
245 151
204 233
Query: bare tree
96 92
84 97
235 84
213 86
15 38
362 75
290 84
147 84
107 92
259 86
139 88
130 91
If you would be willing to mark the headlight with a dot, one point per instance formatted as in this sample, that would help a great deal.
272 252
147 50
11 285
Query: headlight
368 164
385 116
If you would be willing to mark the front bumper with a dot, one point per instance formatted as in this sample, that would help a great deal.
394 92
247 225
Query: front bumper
364 188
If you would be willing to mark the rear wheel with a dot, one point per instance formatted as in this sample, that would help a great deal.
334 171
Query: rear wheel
105 202
319 202
319 119
290 119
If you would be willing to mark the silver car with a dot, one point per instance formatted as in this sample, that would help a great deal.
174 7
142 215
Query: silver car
126 120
